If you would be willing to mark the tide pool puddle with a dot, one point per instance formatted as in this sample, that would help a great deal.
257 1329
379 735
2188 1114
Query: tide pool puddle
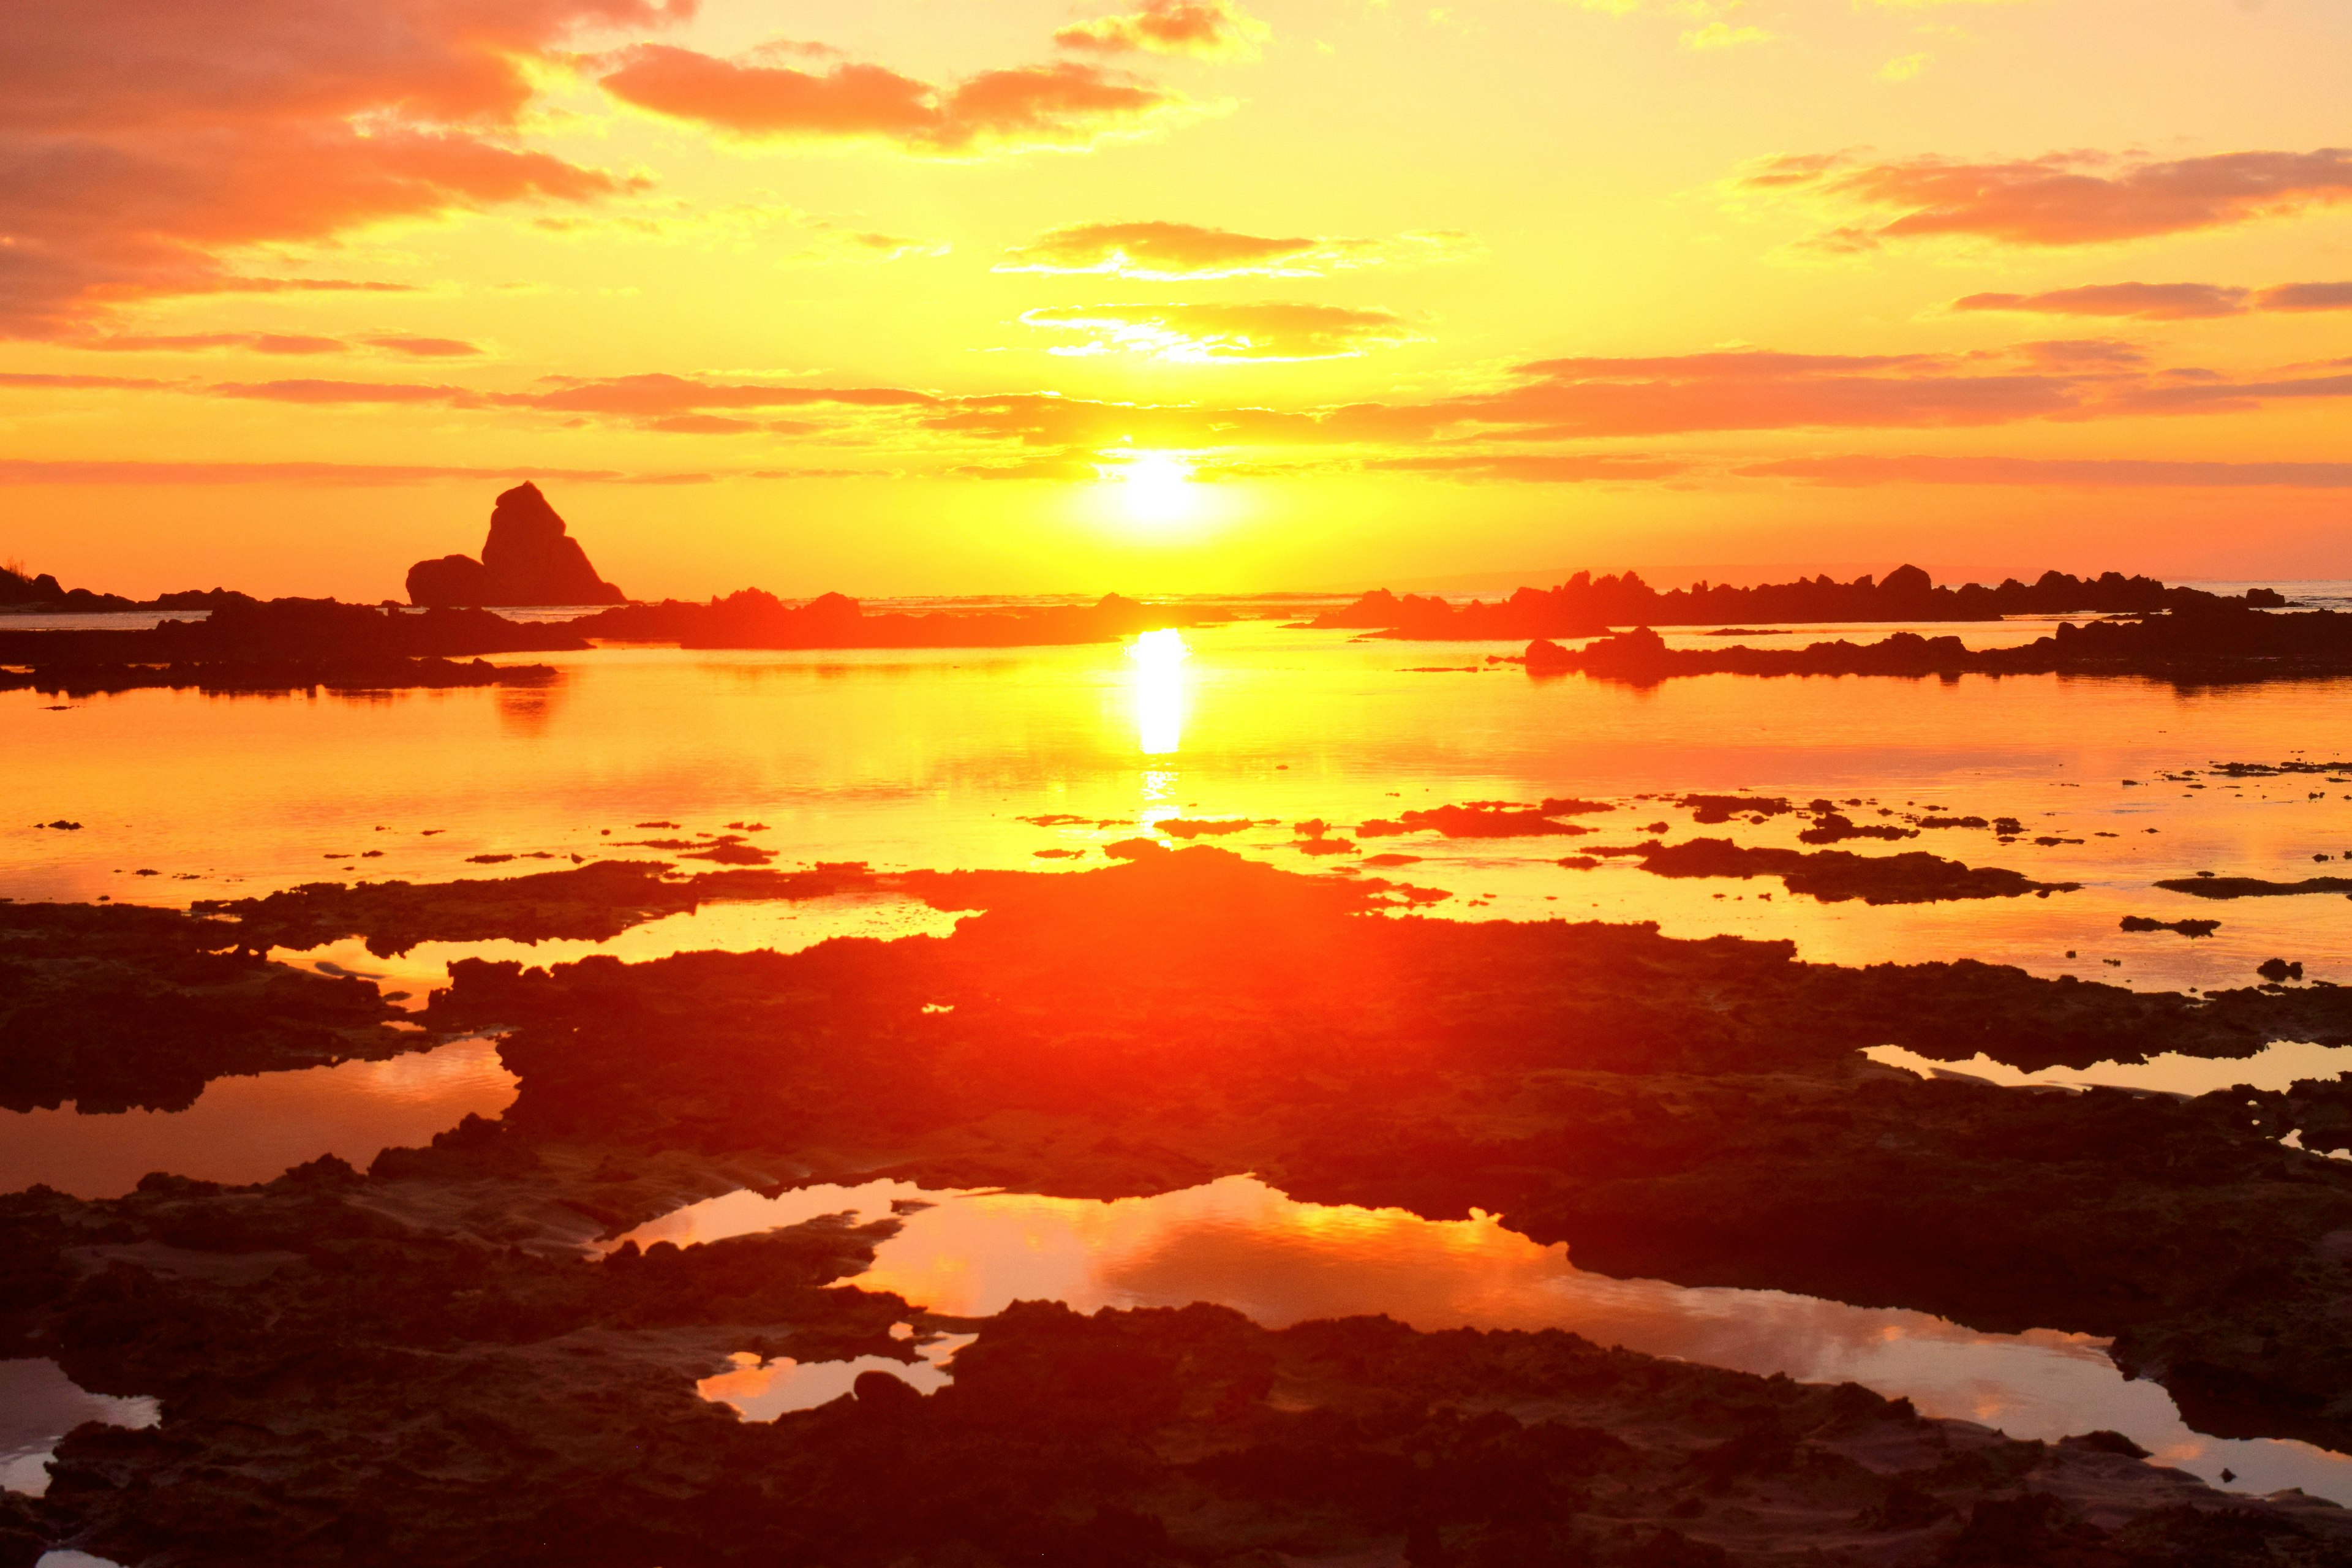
2275 1068
746 926
762 1390
1240 1243
252 1128
38 1405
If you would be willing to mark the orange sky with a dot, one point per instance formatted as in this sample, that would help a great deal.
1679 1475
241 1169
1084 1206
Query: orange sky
928 296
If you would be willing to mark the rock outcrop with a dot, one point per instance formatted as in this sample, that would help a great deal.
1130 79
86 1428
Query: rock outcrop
529 558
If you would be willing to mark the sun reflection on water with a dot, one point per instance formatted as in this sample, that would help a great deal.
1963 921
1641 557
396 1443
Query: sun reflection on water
1158 687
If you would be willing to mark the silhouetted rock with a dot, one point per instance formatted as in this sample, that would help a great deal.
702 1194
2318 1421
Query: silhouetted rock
752 617
2186 928
1587 606
529 558
2202 641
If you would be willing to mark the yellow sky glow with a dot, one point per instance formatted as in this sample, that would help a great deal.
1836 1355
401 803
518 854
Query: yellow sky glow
1178 294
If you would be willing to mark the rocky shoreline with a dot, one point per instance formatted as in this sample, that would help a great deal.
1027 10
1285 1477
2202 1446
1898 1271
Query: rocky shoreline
1696 1111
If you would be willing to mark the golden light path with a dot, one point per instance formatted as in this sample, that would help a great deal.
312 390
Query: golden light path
1158 658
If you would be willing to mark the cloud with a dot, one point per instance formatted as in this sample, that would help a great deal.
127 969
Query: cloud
1169 252
1720 35
2166 301
2099 472
144 146
31 471
1537 467
200 342
2141 302
1198 333
425 348
1205 29
754 99
2305 297
1758 390
2063 199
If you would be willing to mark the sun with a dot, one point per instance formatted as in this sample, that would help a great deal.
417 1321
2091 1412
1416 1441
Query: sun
1154 489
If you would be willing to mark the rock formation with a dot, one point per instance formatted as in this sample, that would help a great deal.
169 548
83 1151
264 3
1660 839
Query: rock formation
529 558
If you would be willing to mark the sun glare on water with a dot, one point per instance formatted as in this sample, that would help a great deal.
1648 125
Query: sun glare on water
1159 690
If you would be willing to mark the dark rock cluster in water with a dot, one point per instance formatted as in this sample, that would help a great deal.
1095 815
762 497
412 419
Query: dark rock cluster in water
2210 643
530 558
1587 606
41 593
752 617
286 645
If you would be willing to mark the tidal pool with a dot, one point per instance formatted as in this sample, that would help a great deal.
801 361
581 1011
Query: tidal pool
1240 1243
252 1128
38 1405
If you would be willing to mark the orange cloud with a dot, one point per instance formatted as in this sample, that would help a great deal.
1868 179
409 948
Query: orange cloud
1168 252
2142 302
2166 301
1537 467
2305 297
143 144
1206 29
2063 199
753 97
32 471
1201 333
425 348
2100 472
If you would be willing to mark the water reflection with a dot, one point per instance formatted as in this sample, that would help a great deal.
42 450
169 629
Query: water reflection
243 1130
1241 1244
1159 688
2277 1067
38 1405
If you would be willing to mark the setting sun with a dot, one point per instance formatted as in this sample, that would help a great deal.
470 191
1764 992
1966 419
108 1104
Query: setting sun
1154 489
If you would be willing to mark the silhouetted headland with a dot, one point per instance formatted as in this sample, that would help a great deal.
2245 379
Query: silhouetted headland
245 645
42 594
530 558
1587 606
2216 643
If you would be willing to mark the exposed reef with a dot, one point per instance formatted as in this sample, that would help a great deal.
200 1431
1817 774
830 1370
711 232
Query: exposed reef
530 558
1601 1085
2253 886
2185 928
506 1405
753 618
417 1364
1835 876
117 1007
285 645
2190 646
43 595
591 903
1486 819
1586 606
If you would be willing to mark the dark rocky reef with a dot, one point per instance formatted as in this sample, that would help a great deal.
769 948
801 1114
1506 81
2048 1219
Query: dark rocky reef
590 903
2191 645
754 618
43 594
2253 886
344 1387
286 645
530 558
1586 606
116 1006
1835 876
2185 928
1487 819
1693 1111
